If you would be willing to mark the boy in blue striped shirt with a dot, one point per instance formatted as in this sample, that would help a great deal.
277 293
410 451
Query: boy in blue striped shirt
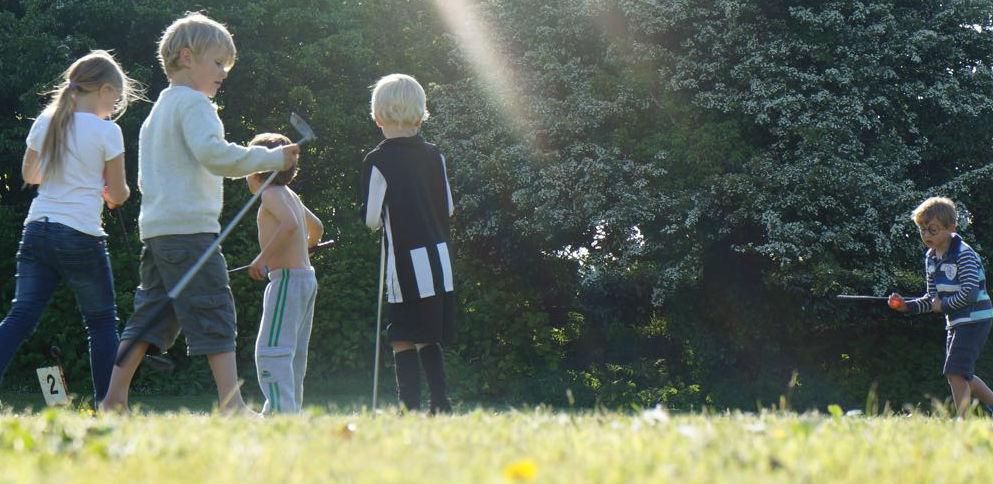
956 286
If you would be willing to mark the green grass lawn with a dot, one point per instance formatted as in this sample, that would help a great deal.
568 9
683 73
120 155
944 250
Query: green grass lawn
485 446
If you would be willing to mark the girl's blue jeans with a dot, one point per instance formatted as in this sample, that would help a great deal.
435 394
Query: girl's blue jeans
50 253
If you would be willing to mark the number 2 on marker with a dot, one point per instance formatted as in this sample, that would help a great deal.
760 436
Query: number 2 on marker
52 385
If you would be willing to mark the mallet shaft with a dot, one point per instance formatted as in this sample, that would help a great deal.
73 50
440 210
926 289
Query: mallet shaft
327 243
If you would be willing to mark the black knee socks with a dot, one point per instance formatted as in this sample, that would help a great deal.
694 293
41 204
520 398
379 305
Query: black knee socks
434 369
408 373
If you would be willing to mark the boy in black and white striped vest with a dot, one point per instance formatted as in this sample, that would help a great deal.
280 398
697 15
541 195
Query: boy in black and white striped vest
406 191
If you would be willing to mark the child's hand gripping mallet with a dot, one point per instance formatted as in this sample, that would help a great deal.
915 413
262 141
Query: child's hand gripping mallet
307 134
894 301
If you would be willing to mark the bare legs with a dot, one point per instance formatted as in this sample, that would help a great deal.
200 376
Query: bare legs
222 365
963 390
120 379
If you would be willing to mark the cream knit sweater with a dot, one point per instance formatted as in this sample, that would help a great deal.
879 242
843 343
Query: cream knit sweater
182 161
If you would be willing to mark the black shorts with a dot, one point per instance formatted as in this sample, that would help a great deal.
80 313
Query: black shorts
962 346
427 320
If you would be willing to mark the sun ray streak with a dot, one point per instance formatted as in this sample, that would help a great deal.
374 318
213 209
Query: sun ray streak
475 39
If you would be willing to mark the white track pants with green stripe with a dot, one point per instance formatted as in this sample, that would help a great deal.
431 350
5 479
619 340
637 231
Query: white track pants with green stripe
281 349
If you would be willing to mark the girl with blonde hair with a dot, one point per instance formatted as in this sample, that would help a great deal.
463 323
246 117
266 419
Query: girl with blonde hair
75 154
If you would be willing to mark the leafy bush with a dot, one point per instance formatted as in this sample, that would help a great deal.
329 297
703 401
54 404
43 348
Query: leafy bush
655 201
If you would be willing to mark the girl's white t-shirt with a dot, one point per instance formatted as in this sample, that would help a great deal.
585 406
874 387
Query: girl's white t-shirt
74 196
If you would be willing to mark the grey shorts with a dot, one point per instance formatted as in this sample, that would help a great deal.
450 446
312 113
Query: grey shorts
963 343
204 311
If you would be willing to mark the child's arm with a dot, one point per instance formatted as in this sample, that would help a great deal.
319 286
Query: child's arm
31 168
274 203
968 277
116 191
373 196
31 164
315 229
204 134
923 303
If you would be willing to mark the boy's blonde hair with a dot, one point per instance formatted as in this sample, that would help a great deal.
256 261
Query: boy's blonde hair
399 100
88 74
272 141
941 209
198 33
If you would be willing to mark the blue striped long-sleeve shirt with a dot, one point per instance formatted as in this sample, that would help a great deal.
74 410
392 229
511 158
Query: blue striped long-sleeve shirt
959 280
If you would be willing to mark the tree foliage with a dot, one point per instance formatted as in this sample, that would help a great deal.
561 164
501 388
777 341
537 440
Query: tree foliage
655 199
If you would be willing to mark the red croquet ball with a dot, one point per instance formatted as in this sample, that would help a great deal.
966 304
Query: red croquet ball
895 302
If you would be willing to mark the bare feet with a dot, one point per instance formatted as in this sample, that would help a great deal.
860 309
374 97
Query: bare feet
113 408
242 410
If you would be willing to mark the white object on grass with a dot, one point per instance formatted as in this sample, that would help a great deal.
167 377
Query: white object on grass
53 385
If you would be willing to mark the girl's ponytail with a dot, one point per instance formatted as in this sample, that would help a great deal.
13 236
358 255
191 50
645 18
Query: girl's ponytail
88 74
53 148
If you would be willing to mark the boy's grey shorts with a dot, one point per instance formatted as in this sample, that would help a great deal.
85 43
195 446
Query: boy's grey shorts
962 346
204 311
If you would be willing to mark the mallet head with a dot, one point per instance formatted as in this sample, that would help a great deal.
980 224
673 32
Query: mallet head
54 352
303 128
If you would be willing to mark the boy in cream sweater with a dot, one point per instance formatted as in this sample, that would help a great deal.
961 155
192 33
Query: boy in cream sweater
182 161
